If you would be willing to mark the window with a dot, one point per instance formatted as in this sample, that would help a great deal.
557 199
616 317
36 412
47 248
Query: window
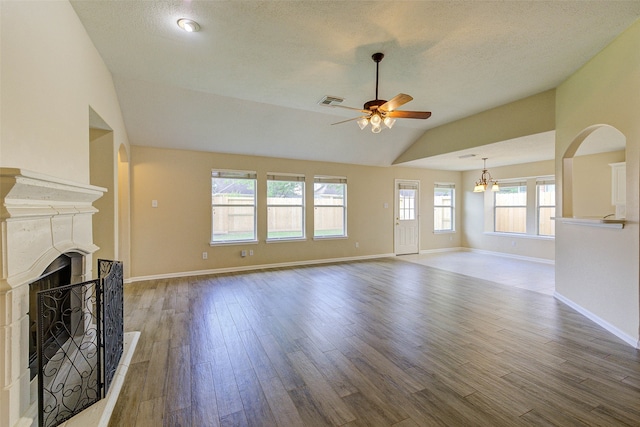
510 208
285 207
330 207
546 207
233 206
443 197
407 194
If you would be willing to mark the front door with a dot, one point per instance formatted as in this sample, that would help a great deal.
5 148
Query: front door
407 219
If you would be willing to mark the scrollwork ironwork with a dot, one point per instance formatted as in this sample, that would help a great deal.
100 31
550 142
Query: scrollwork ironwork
80 350
112 315
68 361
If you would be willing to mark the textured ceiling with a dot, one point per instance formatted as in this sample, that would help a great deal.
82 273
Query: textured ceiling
250 80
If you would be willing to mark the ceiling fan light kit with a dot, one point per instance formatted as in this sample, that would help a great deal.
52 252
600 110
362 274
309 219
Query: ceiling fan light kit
379 112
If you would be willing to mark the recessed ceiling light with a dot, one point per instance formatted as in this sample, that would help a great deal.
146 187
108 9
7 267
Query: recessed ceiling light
188 25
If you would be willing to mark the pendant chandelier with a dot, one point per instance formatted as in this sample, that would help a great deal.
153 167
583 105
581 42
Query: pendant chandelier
485 180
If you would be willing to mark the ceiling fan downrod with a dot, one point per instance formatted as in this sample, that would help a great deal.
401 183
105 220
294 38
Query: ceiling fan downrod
377 57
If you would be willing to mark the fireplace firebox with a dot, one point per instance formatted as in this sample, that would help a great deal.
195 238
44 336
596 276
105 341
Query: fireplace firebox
57 274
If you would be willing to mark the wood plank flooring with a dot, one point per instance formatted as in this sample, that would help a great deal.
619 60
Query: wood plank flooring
372 343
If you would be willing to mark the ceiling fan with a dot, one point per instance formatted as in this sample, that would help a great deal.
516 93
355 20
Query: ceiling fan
379 112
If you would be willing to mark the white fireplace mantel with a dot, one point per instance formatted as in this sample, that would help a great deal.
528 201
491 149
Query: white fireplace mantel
41 217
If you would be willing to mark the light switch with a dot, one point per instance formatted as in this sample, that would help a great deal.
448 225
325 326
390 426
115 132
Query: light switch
154 203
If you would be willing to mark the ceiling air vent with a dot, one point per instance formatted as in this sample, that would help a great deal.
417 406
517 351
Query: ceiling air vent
330 101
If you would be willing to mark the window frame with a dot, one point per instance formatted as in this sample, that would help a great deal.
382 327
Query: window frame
234 175
539 183
496 207
283 177
451 207
321 179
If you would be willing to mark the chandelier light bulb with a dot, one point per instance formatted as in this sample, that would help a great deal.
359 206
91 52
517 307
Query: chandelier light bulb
485 181
375 128
376 119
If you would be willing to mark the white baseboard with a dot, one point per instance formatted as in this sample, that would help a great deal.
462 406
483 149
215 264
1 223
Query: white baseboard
482 251
634 342
441 250
512 256
252 268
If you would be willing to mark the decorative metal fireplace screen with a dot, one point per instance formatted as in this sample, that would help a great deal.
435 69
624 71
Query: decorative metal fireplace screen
76 367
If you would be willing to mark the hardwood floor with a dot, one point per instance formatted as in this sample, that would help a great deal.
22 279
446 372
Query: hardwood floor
372 343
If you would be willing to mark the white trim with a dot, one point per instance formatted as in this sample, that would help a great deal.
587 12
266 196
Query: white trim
436 251
634 342
593 222
330 237
396 212
286 239
481 251
253 267
512 256
234 242
518 235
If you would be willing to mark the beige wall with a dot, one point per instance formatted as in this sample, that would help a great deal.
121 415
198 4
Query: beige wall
101 173
477 215
597 268
527 116
171 238
592 184
51 76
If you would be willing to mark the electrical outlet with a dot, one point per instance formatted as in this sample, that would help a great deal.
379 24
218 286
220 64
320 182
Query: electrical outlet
357 245
251 252
205 255
154 203
243 253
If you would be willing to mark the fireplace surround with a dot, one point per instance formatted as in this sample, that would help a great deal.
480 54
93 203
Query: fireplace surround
41 218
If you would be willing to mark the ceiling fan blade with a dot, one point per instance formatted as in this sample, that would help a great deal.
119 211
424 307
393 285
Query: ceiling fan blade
352 108
409 114
395 102
345 121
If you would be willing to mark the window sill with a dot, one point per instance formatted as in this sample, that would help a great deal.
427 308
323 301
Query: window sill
444 231
234 243
330 237
593 221
287 239
518 235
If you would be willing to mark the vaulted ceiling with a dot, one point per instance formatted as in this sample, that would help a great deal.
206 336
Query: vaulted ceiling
250 80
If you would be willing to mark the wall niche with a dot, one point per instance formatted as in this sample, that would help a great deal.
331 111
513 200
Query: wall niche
591 186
